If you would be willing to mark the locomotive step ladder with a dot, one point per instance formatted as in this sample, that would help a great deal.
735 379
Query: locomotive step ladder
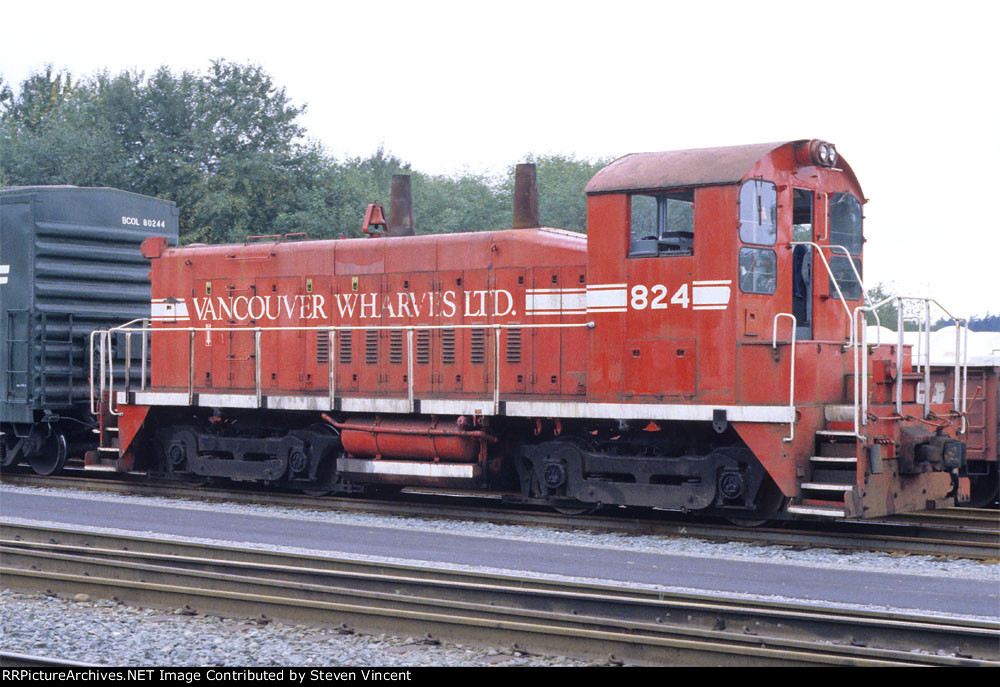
105 458
832 475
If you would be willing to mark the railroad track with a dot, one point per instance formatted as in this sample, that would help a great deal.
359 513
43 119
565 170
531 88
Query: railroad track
622 626
9 659
955 532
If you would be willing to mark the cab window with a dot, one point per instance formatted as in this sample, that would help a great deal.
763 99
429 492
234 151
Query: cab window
840 267
845 222
661 224
758 212
758 270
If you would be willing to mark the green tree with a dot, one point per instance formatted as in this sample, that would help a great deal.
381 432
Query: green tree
226 145
40 94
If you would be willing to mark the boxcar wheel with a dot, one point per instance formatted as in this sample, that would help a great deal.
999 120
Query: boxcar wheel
7 455
51 458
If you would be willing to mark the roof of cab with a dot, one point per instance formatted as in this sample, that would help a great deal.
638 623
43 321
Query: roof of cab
680 168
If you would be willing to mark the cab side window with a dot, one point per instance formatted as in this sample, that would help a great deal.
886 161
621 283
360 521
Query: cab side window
758 226
758 270
758 212
661 224
846 231
845 222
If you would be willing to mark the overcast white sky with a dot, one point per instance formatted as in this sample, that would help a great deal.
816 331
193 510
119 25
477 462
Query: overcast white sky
907 90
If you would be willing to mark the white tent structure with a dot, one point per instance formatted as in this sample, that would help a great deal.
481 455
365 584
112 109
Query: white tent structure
983 347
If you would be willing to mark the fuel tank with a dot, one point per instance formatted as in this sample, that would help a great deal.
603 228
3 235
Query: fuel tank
452 440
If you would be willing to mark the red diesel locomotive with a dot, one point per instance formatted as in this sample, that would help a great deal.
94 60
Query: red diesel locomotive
696 350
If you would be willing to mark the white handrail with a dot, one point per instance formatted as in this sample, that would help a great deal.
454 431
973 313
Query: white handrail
857 275
961 357
791 391
833 279
107 362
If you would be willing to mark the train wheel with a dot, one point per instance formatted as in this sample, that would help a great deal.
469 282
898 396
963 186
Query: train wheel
318 492
326 479
565 506
326 472
748 522
769 502
7 454
172 454
51 457
572 508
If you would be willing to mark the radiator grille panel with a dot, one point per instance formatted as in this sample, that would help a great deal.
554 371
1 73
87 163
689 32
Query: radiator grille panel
396 347
423 347
448 346
322 347
371 346
513 345
477 348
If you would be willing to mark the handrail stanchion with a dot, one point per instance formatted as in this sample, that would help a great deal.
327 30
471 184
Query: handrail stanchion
93 405
191 366
958 349
927 359
496 370
864 372
965 375
791 390
145 353
409 367
899 356
257 381
331 334
111 376
128 361
862 335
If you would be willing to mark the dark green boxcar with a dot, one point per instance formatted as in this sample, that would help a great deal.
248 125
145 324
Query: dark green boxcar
70 263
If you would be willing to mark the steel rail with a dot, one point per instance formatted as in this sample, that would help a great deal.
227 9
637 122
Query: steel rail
571 619
10 659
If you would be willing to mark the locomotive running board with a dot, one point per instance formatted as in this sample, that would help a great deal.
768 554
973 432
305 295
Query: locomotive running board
430 406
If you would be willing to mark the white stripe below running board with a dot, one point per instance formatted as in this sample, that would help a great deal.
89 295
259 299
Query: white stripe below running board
817 510
100 468
835 433
818 486
409 468
833 459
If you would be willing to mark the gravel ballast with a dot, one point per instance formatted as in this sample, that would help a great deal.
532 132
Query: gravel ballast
112 634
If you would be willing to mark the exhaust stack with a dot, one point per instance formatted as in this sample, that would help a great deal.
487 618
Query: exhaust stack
526 214
400 207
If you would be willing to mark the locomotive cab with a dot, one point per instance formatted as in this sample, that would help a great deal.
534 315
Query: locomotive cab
729 266
713 244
